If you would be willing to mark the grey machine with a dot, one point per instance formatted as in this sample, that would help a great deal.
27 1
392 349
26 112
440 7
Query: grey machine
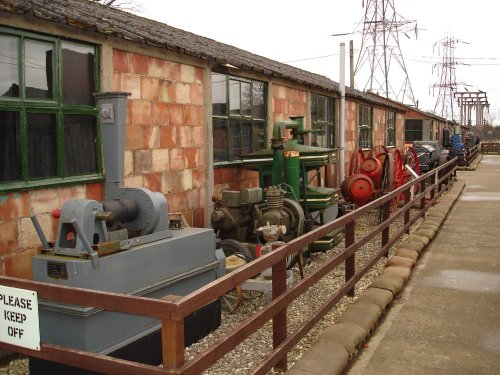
122 245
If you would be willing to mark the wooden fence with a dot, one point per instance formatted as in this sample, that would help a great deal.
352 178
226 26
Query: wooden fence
490 148
173 310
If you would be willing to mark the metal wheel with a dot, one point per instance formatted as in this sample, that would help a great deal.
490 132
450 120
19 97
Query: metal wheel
235 247
377 150
411 159
357 158
398 179
232 300
387 171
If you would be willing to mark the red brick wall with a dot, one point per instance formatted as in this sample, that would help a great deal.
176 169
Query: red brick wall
165 132
234 178
351 131
287 102
379 126
18 239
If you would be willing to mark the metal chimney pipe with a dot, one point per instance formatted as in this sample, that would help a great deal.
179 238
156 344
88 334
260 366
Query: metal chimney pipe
342 114
112 107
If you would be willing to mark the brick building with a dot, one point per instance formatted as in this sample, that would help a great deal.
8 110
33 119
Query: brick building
196 105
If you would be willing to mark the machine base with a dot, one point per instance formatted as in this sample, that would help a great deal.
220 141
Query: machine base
146 349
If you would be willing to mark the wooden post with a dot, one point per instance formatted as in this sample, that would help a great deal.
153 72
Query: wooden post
350 263
280 319
407 212
172 336
386 213
422 200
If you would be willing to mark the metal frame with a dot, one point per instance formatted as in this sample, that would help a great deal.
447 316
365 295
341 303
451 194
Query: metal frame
54 106
229 118
172 310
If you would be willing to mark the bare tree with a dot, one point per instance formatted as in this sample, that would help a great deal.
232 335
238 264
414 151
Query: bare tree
128 5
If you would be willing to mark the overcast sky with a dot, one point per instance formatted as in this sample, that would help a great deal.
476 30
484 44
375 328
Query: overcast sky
299 33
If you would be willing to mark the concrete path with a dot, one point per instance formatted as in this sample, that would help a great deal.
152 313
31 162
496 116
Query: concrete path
447 319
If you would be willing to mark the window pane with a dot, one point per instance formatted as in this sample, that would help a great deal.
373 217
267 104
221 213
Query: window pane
220 140
10 155
234 139
80 133
9 76
319 137
246 137
365 138
234 97
77 74
42 145
321 109
219 95
259 104
38 69
322 121
258 136
246 99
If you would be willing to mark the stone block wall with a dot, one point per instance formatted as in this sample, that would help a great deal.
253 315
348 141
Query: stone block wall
379 126
287 102
165 132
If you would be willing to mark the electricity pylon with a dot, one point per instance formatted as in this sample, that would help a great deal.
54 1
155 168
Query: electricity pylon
447 85
380 48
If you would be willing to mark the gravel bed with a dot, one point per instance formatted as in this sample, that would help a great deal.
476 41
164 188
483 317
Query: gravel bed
251 351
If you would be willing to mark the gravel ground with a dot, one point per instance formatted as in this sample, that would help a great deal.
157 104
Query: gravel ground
250 352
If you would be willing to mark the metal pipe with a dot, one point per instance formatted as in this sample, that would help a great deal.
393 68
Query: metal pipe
40 233
342 114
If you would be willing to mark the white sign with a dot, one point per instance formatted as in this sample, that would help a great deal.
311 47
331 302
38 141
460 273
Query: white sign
107 113
19 317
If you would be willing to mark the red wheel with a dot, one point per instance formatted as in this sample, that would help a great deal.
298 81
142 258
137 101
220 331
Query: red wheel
357 158
376 151
398 170
410 158
398 178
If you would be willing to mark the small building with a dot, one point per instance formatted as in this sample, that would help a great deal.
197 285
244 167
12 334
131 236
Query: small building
196 106
424 126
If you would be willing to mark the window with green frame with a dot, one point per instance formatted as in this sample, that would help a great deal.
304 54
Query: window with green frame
365 126
322 121
239 116
391 129
48 119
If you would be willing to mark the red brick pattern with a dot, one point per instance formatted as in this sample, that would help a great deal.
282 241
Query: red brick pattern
165 128
288 102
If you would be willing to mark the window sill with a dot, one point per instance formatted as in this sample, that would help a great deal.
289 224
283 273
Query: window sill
47 183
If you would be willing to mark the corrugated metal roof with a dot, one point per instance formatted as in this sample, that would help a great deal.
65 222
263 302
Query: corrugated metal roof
87 15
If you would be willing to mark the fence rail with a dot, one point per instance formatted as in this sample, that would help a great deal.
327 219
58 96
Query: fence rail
172 310
470 154
490 148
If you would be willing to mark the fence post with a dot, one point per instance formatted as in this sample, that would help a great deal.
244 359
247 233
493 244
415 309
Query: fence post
422 189
433 190
386 213
350 263
407 194
172 336
280 319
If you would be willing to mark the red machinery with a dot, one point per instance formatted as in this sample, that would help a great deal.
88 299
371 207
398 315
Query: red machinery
380 172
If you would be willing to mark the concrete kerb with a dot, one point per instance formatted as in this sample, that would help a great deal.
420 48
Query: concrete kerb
338 346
